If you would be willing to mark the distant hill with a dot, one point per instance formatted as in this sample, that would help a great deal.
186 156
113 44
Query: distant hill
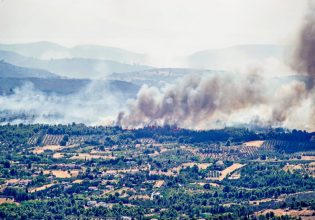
107 53
226 57
74 67
36 49
12 76
48 50
8 70
158 76
66 86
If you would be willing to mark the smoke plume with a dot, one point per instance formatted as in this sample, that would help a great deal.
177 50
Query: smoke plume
304 57
193 101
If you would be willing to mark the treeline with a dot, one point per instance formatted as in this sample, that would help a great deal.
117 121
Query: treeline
14 135
63 208
171 133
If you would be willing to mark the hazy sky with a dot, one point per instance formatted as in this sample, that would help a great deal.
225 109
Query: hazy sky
169 27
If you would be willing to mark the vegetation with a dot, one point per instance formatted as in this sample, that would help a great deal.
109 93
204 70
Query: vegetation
80 172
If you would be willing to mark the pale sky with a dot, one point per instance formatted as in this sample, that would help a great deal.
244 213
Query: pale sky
168 27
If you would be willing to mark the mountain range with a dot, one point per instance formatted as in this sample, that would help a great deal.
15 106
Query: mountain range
49 50
72 67
54 68
12 77
224 58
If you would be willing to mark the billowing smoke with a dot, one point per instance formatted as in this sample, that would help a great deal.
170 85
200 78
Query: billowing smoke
194 101
304 58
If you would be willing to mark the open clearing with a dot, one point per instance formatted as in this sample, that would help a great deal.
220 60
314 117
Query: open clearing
158 183
39 150
295 213
308 158
254 143
7 200
235 176
57 155
12 181
292 167
78 181
41 188
201 166
228 170
62 173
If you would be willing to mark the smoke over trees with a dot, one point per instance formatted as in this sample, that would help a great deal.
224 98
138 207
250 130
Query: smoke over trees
193 100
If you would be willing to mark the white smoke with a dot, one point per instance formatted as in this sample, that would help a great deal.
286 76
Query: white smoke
95 104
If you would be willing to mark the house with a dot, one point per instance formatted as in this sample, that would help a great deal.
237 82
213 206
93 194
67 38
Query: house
91 203
92 188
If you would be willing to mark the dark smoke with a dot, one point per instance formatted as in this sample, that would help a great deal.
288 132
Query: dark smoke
304 57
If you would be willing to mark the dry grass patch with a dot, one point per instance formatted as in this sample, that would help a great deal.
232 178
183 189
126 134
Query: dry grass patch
224 173
201 166
291 168
296 213
214 185
254 143
39 150
158 183
77 181
7 200
308 158
62 173
41 188
12 181
235 176
57 155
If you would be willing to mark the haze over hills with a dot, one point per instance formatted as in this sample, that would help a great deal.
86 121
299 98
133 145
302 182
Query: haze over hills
49 50
221 58
159 76
8 70
12 77
72 67
228 57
